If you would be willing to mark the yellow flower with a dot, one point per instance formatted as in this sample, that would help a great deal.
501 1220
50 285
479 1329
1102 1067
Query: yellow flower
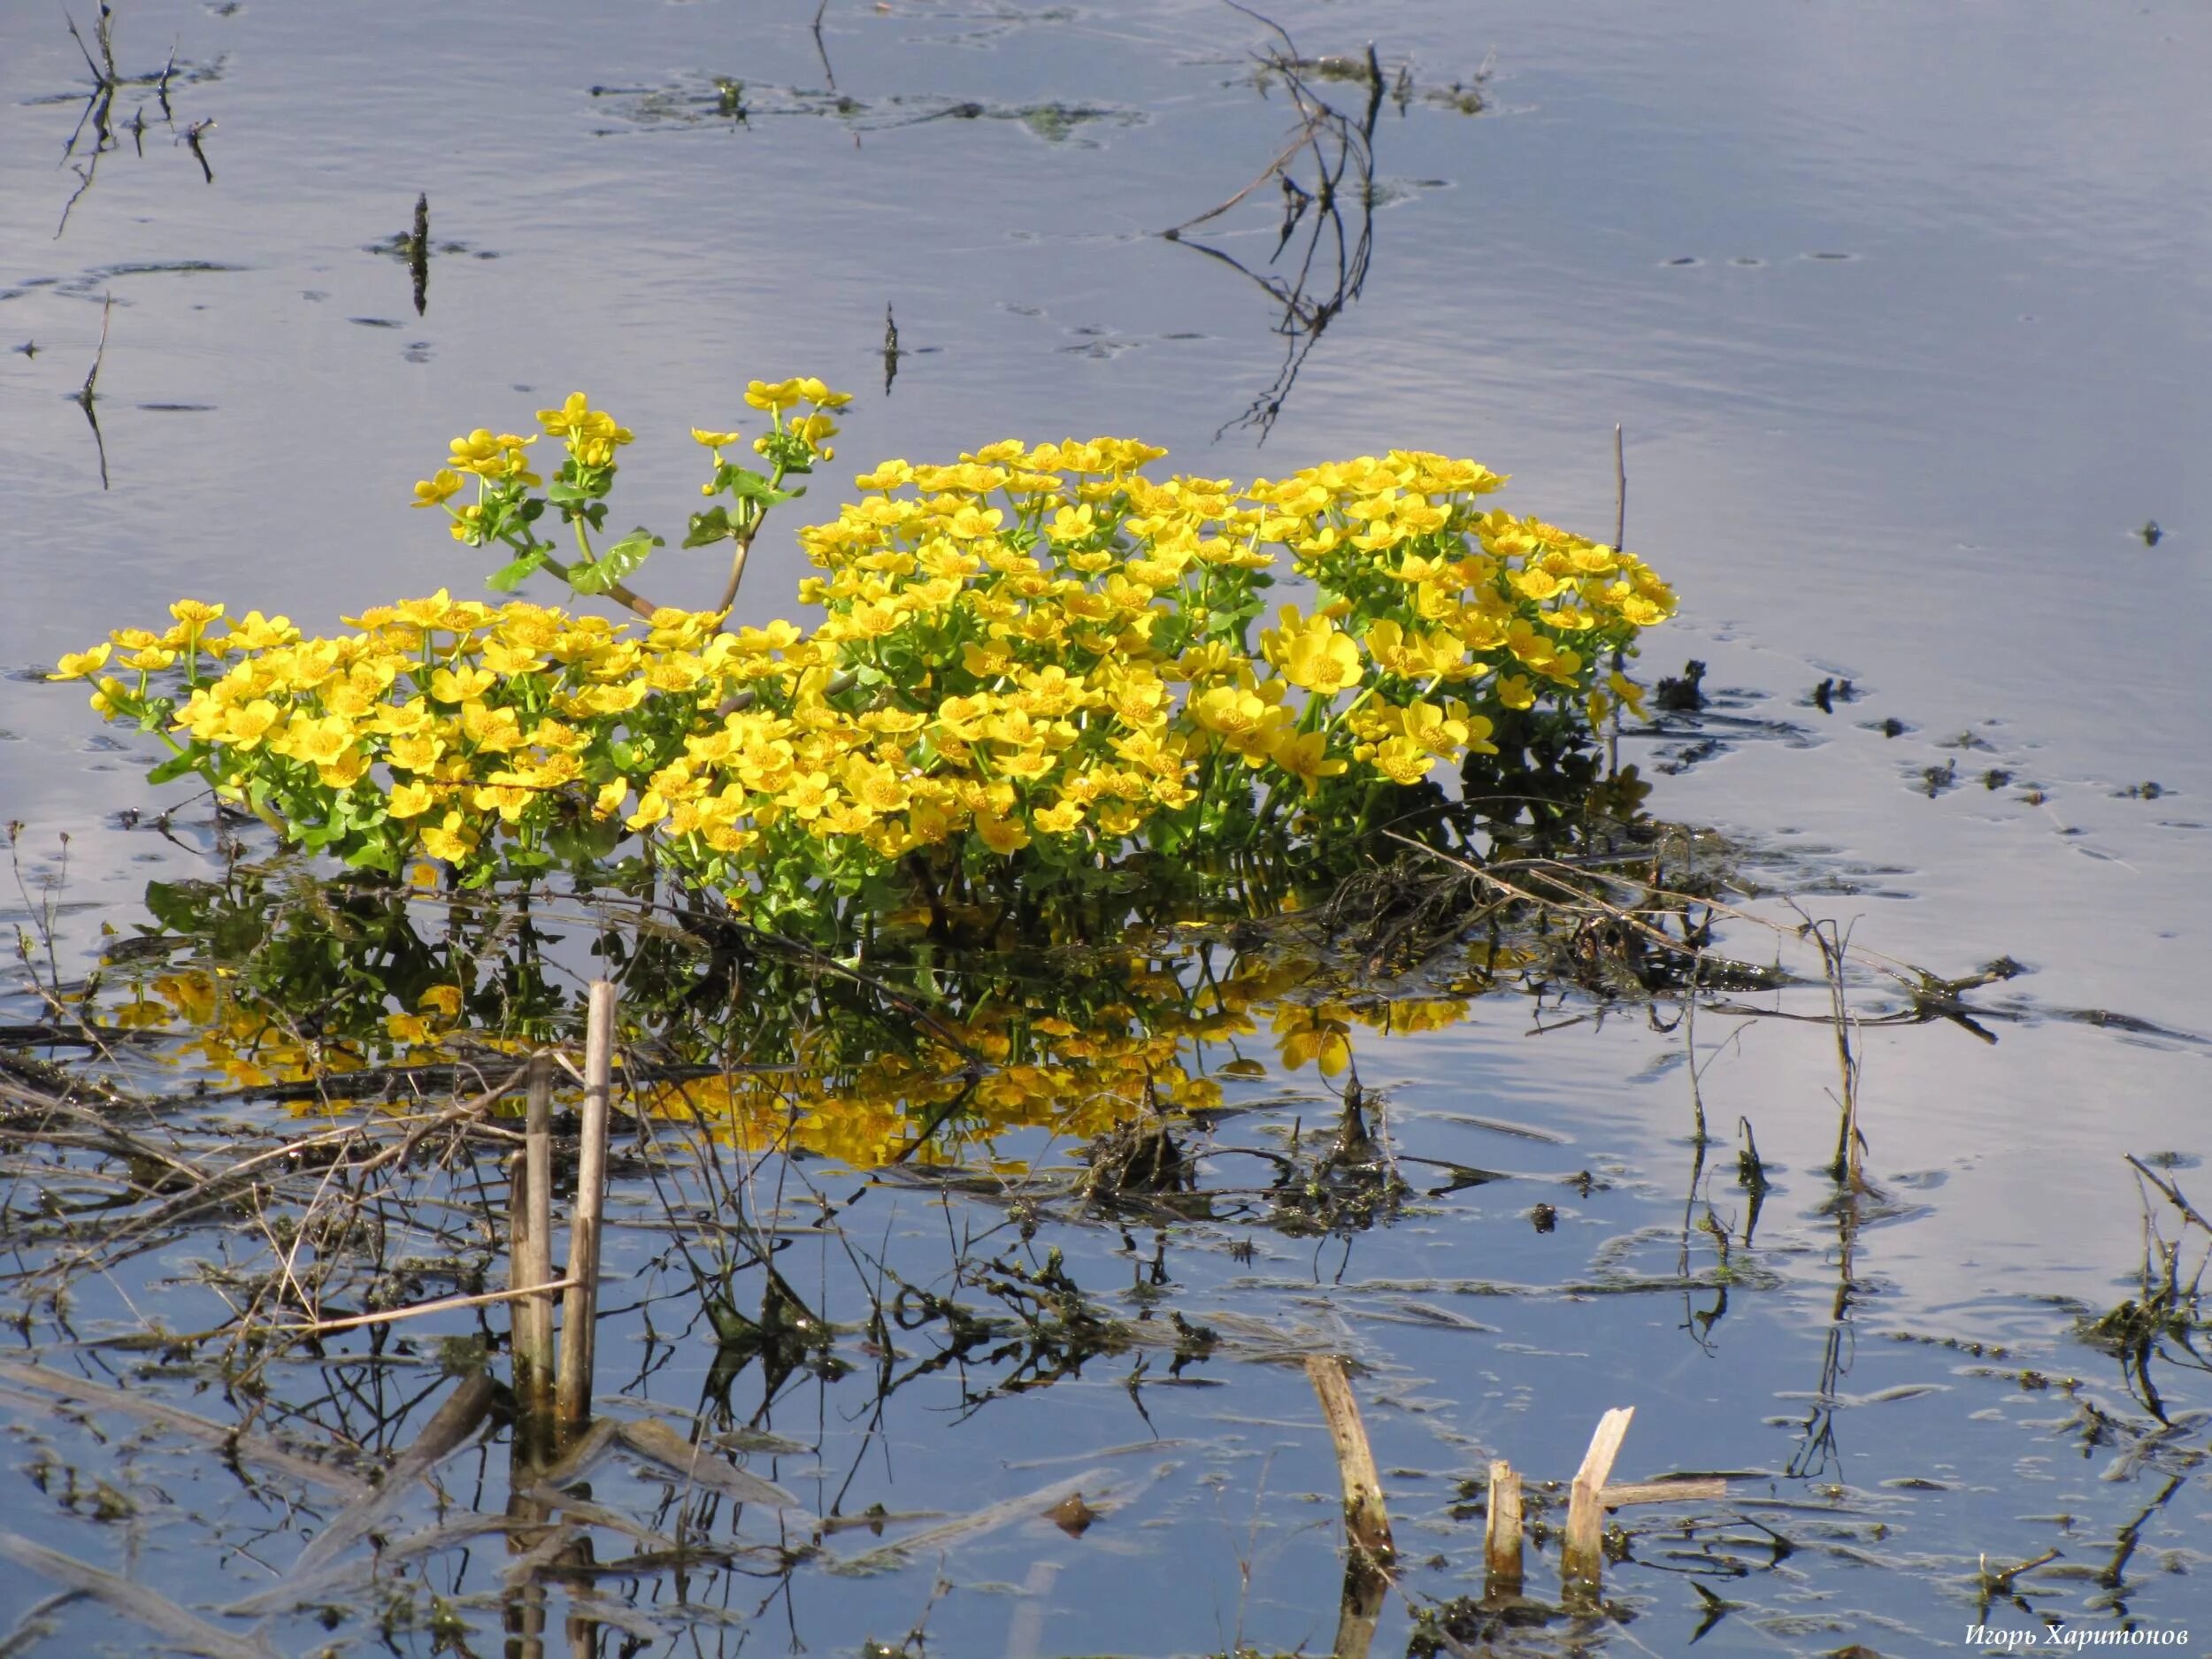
1401 760
1060 819
820 395
409 800
497 456
453 839
1305 758
778 395
1629 692
244 727
714 440
1004 836
592 433
1314 654
438 489
82 665
462 684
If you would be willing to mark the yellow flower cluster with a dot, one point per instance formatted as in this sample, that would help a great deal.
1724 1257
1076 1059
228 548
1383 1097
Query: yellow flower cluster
1030 646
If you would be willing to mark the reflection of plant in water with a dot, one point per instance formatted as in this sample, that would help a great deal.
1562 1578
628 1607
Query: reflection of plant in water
97 128
2167 1316
1329 267
282 987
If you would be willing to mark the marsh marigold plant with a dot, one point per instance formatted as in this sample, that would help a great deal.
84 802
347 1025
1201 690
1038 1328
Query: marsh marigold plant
1034 652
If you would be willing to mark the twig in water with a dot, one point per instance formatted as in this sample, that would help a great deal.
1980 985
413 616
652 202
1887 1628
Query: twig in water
2173 1193
85 393
822 50
192 136
444 1304
419 252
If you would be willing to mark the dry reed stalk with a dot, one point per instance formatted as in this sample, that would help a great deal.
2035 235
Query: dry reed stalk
1366 1520
444 1304
1677 1490
581 1308
1501 1534
1582 1557
530 1260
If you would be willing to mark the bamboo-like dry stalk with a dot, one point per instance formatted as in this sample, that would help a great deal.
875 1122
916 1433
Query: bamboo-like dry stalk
1582 1556
1501 1534
581 1308
1366 1520
530 1261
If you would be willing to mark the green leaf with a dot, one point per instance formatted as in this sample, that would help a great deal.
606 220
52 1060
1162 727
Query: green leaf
615 564
747 485
175 767
711 526
509 576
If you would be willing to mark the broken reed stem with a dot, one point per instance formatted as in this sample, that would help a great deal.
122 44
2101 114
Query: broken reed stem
581 1310
1582 1557
1680 1489
1366 1520
530 1258
1501 1534
444 1304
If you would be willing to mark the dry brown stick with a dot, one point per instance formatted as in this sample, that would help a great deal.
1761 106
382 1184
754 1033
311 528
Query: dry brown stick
2173 1193
1501 1534
1582 1556
444 1304
1366 1520
2002 1579
1680 1490
581 1308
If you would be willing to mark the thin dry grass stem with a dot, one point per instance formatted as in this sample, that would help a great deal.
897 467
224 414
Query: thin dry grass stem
2170 1191
1834 941
444 1304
